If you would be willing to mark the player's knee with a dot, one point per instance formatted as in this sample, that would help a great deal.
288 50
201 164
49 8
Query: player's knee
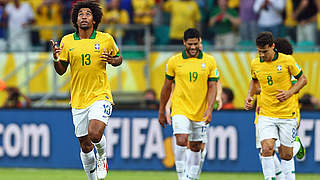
95 137
195 147
86 147
267 151
286 156
181 141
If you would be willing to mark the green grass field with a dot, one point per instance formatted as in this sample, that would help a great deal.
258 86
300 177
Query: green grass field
59 174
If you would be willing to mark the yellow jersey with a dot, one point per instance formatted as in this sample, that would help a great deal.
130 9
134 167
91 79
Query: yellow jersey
89 81
191 76
49 16
117 17
296 104
142 6
273 76
184 15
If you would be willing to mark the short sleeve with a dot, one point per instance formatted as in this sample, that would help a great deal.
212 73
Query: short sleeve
253 73
214 72
112 46
170 73
64 55
294 68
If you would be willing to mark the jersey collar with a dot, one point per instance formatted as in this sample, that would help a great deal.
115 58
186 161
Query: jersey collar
275 57
93 35
185 56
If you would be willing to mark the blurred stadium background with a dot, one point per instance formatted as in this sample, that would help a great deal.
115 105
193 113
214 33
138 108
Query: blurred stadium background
37 131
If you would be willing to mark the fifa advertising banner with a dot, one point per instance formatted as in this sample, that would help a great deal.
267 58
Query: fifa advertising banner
136 141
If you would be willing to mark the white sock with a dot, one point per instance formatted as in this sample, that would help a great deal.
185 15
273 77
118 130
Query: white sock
279 173
288 169
188 156
89 164
194 163
180 161
101 146
203 157
268 167
296 147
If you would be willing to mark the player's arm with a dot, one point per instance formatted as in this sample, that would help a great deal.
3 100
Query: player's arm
168 107
284 95
254 83
219 95
211 95
60 66
164 97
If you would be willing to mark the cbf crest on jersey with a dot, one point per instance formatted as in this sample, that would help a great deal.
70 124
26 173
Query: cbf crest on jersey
96 47
279 68
203 66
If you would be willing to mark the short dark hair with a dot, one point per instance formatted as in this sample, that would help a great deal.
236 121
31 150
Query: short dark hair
283 46
93 6
229 93
191 33
264 38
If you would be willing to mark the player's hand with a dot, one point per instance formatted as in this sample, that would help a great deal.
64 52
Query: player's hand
55 49
283 95
248 103
208 116
107 57
162 119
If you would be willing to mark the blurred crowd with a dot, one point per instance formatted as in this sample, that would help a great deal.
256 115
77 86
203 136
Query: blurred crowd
14 98
223 23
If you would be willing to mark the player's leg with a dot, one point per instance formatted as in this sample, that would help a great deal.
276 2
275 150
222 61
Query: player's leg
268 132
188 155
289 166
287 132
279 173
298 149
99 113
203 149
203 157
195 139
194 160
88 159
181 129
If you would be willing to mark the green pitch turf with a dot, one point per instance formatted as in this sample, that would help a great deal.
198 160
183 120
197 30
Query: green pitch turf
59 174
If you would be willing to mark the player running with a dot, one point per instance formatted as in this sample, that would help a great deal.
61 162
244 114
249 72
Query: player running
88 51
